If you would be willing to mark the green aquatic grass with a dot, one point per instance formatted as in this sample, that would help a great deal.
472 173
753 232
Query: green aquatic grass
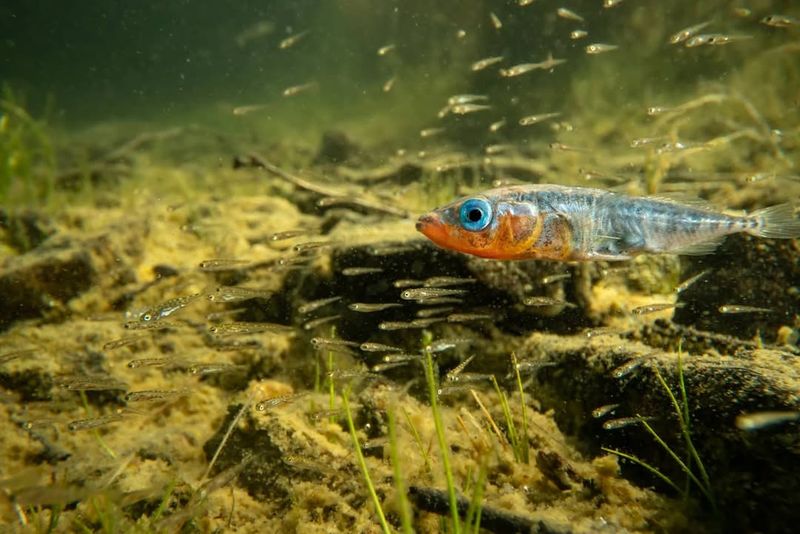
681 409
399 482
472 520
95 432
512 435
444 450
524 445
27 161
418 440
362 463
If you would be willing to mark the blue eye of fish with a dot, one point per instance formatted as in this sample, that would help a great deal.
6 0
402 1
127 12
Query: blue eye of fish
475 214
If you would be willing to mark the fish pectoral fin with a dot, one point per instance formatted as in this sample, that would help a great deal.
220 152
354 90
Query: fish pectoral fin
699 249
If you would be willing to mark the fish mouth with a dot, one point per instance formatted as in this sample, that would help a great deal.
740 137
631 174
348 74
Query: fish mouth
432 227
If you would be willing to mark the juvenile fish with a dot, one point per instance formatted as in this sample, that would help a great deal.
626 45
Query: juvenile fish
759 420
95 422
494 127
400 284
568 14
467 317
430 292
538 301
378 347
237 294
549 279
622 422
213 368
599 48
151 395
222 264
578 34
297 89
244 328
286 234
604 410
686 33
445 281
371 307
463 109
273 402
149 362
358 271
168 308
314 323
431 312
465 99
689 282
486 62
308 307
292 40
655 307
715 39
536 119
780 21
382 51
324 342
583 224
90 383
741 308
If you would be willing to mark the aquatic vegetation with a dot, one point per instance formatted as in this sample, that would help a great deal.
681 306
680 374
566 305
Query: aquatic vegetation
28 166
692 461
376 502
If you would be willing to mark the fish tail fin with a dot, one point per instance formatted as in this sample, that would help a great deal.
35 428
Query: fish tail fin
776 222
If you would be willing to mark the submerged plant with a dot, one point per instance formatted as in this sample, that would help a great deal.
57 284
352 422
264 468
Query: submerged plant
27 161
444 450
700 479
362 463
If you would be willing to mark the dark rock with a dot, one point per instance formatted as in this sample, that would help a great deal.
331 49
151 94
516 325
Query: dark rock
335 147
745 271
753 474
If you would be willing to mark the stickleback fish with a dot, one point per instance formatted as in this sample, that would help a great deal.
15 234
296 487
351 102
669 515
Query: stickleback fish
582 224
